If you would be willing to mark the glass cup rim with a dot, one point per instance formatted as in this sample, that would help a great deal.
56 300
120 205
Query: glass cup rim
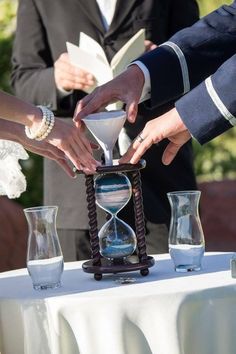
40 208
184 192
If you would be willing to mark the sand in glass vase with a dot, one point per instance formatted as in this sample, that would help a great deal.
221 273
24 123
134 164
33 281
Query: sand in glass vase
117 239
105 127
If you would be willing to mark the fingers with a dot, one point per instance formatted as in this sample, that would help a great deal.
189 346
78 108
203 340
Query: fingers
69 77
79 155
149 45
49 151
66 167
140 145
126 87
140 149
91 103
94 146
132 110
74 144
170 152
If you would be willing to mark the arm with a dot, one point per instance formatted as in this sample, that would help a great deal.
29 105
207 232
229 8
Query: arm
15 132
191 55
65 137
201 49
206 112
210 108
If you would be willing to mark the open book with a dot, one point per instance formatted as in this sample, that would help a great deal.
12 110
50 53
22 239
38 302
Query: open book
90 56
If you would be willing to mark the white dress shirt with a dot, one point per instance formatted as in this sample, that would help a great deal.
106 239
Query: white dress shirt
107 8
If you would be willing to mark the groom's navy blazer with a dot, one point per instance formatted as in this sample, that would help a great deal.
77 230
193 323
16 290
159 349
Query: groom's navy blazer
197 66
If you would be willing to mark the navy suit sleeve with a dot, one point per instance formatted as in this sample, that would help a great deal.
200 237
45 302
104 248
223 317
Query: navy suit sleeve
210 108
207 48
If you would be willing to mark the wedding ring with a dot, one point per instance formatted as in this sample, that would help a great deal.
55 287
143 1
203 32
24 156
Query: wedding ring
139 138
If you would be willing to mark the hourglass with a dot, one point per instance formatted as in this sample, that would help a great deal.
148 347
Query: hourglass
117 239
113 247
116 247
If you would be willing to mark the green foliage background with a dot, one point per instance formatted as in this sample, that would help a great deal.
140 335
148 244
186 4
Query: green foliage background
215 161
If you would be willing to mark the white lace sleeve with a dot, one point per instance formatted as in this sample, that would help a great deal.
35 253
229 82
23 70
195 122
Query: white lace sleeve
12 180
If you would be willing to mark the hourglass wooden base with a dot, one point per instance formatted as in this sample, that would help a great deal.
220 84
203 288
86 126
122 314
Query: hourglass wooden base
129 265
99 265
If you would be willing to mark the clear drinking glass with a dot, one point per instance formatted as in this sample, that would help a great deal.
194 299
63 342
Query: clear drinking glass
44 255
186 238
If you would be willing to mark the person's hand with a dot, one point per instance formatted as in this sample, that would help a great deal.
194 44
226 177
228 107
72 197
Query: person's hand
149 45
72 141
68 77
170 126
16 132
47 150
127 87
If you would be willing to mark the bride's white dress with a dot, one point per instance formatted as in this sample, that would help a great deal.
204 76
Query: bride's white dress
12 180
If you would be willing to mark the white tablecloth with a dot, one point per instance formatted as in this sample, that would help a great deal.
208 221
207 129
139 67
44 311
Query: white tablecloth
163 313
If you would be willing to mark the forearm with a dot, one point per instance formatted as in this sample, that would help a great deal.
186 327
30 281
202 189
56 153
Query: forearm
191 55
210 108
16 110
11 131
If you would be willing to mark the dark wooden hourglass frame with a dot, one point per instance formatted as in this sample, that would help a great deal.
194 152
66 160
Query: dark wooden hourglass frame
99 265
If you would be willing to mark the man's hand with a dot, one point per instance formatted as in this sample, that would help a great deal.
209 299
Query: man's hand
127 87
68 77
170 126
149 45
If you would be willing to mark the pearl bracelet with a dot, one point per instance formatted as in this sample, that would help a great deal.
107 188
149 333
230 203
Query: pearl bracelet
46 125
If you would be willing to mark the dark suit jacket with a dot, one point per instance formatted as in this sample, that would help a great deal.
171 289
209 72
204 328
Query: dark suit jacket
209 50
43 27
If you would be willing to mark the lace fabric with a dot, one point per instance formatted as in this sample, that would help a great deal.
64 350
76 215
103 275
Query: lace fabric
12 180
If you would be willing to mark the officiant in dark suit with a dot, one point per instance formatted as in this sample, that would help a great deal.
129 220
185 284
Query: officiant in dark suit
43 75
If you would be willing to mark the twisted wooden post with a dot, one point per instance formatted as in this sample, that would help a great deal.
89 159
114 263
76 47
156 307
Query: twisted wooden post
139 215
93 225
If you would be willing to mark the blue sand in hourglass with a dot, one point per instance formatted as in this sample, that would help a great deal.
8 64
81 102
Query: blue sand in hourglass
117 239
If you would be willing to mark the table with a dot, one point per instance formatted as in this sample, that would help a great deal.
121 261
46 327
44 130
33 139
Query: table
163 313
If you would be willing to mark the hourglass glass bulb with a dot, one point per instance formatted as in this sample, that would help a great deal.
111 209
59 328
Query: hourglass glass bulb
112 192
117 239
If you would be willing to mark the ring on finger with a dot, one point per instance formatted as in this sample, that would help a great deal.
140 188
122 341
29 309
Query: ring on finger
140 139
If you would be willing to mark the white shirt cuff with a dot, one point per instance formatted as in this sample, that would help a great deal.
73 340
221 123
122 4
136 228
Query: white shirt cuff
146 93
